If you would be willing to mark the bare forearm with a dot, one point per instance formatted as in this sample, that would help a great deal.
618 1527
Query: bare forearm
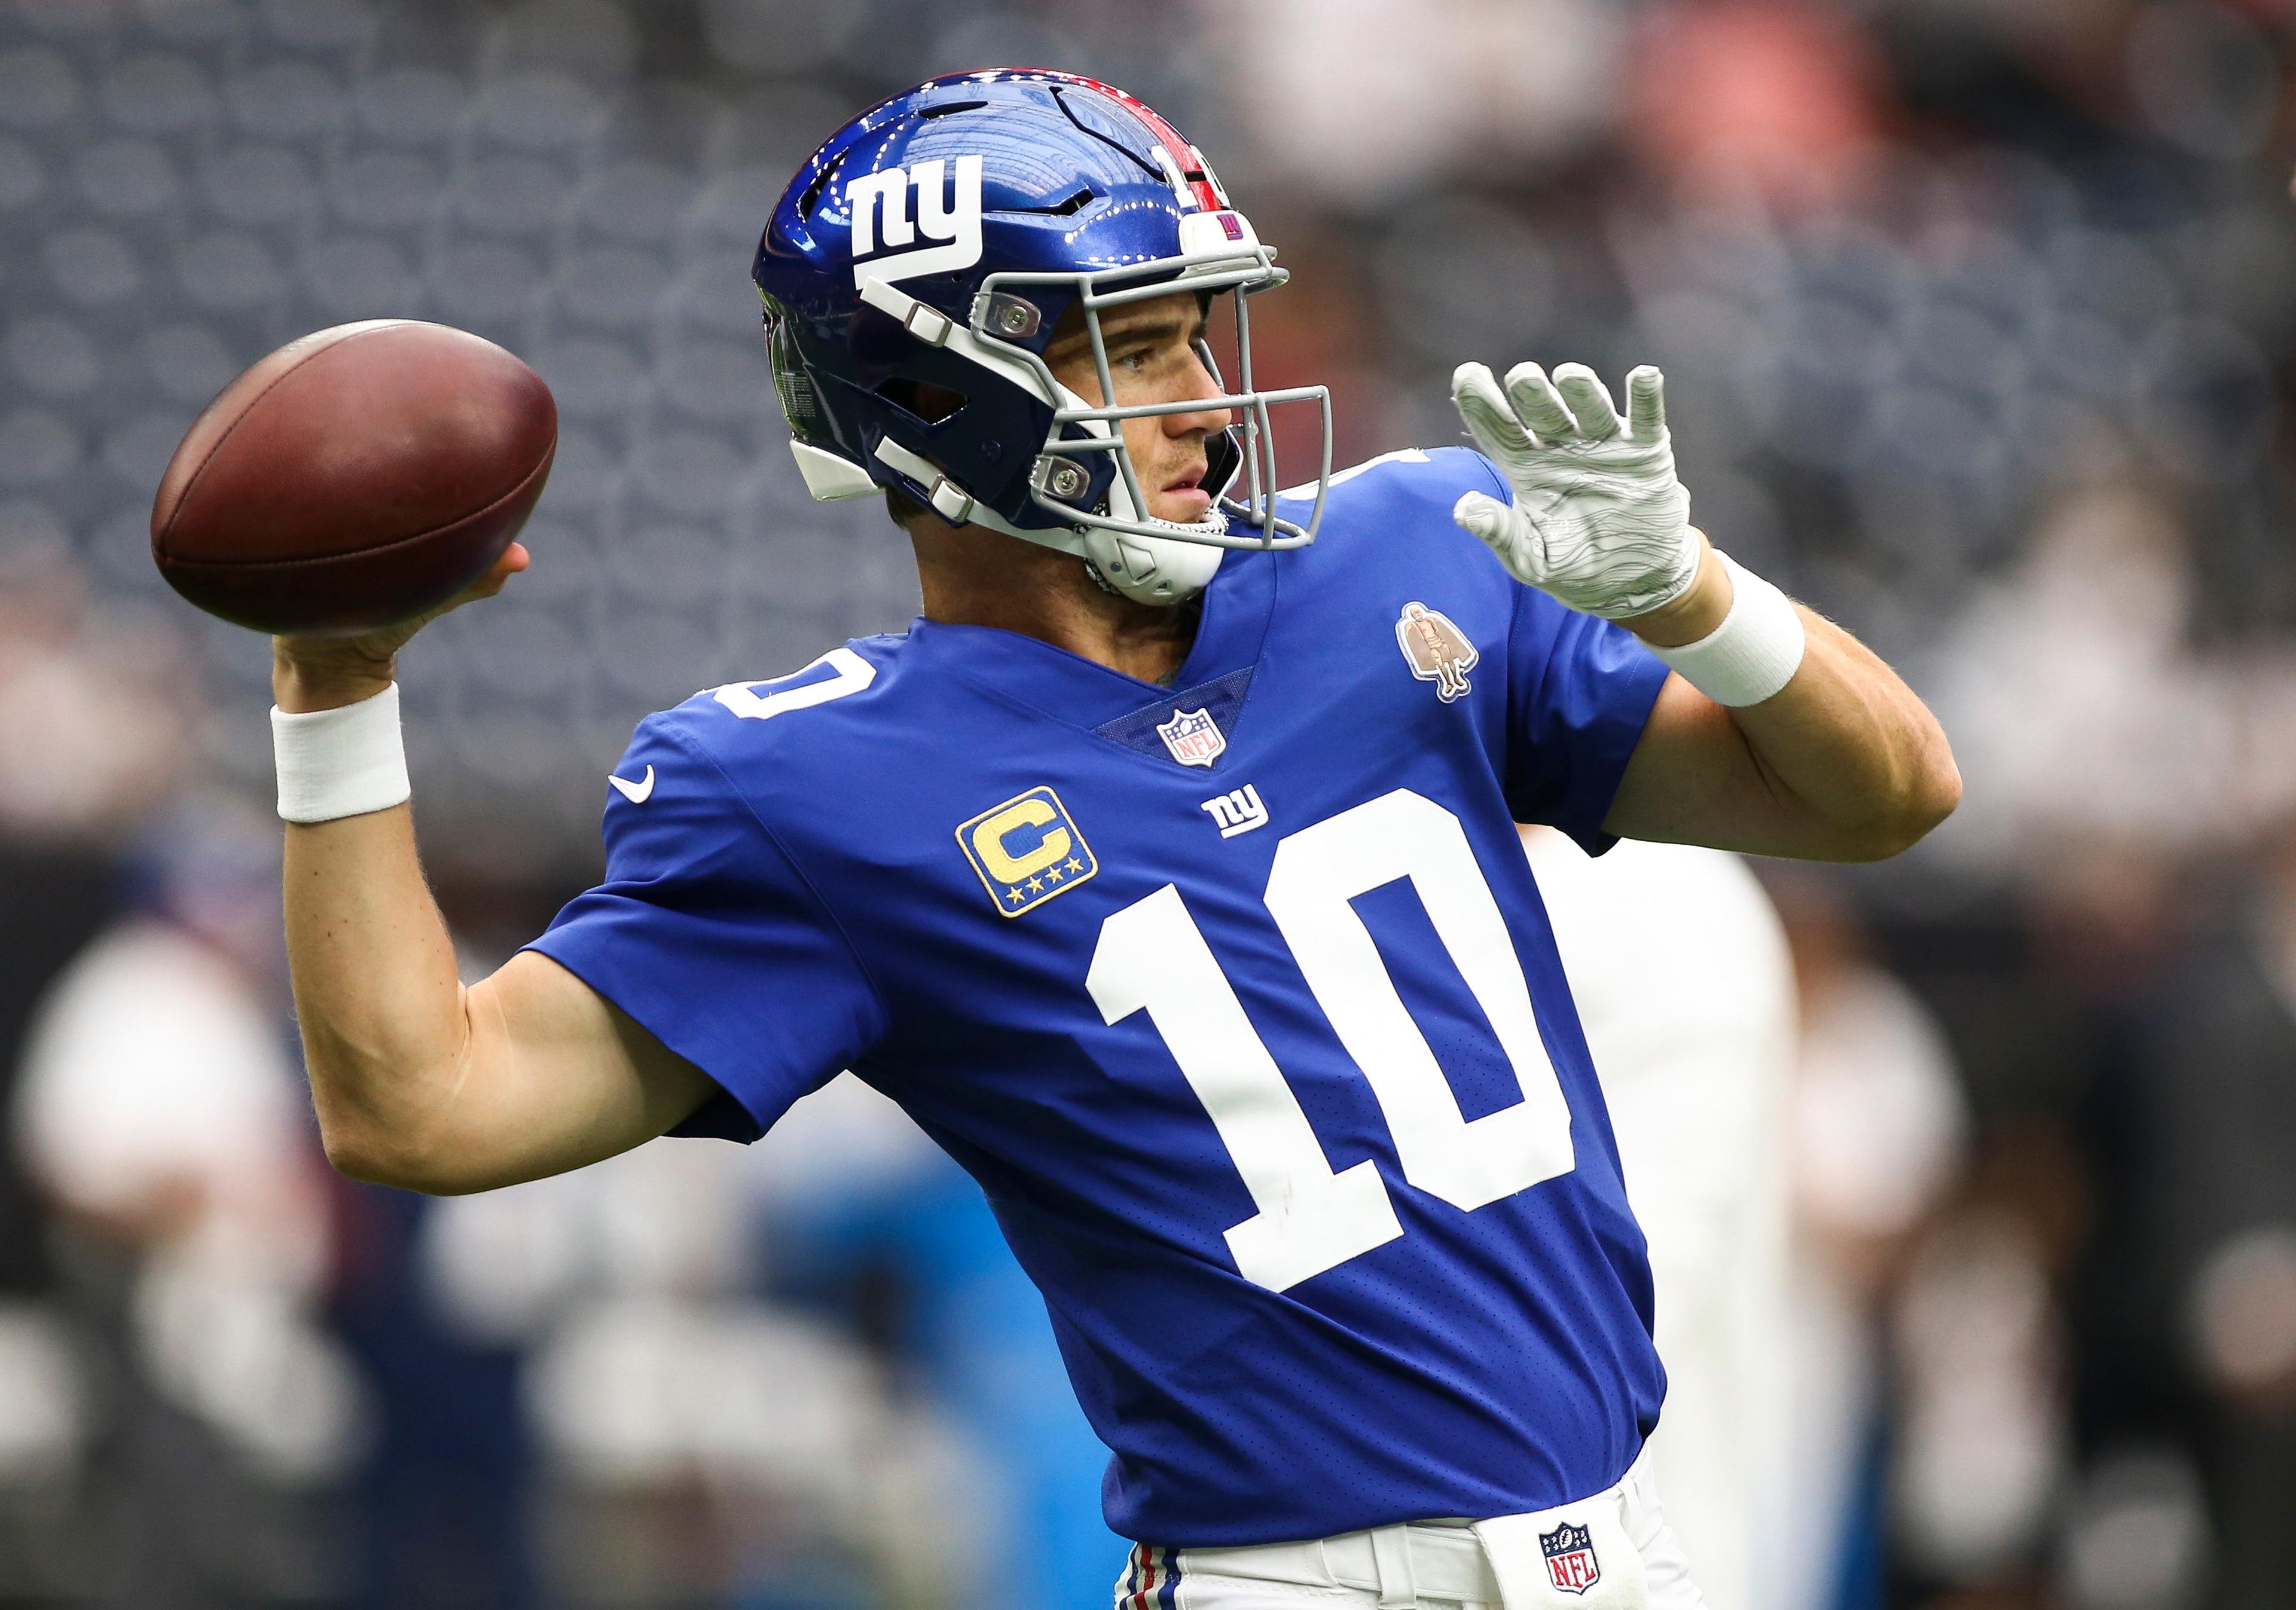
424 1084
1842 764
376 991
1853 746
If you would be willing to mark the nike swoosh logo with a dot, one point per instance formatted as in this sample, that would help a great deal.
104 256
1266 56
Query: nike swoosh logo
637 793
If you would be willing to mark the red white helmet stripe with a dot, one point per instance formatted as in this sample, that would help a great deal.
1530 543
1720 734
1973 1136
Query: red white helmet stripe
1194 173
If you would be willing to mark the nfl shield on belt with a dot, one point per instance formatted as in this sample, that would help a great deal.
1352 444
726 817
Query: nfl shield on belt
1193 738
1570 1564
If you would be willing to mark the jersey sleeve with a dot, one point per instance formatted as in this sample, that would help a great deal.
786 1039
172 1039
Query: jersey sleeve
708 934
1579 692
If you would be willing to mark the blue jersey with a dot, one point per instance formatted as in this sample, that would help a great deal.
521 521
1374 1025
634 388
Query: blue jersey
1235 996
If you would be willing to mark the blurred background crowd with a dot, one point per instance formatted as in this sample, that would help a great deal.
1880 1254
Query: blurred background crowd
1980 319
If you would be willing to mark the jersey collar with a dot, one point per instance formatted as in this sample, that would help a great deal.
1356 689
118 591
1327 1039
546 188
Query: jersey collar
1239 602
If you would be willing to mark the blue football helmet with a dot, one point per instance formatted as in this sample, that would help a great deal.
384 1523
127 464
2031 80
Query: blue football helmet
929 249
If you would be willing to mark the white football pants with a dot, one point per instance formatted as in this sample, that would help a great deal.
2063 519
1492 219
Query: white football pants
1613 1551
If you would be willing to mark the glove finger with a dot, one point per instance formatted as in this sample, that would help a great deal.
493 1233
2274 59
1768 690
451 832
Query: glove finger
1535 401
1646 404
1590 401
1486 516
1483 408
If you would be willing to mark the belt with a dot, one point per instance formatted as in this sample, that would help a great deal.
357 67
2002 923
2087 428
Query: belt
1400 1564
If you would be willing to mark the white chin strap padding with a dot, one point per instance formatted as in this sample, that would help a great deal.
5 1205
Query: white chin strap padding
1145 570
950 501
1151 569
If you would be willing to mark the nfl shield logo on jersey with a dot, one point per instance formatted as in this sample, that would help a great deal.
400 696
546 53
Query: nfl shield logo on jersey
1193 737
1570 1564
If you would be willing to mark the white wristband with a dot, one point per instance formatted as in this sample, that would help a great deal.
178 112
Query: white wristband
344 762
1753 653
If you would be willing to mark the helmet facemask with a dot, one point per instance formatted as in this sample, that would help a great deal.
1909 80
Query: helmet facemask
1083 480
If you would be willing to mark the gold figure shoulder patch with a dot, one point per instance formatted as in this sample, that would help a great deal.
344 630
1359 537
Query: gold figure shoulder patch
1435 650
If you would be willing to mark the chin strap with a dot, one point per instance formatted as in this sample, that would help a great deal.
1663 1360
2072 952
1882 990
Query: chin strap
950 501
1176 570
959 507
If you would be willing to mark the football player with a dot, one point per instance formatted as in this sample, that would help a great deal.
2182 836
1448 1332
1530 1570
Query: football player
1164 870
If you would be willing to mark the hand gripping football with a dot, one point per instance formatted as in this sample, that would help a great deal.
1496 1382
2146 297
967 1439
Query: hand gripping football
354 478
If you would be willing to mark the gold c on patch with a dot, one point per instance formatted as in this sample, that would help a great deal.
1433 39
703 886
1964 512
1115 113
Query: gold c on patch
1026 850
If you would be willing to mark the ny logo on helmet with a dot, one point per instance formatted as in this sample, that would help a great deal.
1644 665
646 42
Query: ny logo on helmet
948 210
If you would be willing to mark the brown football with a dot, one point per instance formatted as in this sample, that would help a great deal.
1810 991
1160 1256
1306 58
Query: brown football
353 478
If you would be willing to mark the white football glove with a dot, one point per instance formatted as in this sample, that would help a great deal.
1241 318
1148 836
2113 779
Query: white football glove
1599 520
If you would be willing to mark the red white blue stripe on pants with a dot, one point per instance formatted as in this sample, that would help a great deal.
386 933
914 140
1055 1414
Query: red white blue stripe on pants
1151 1578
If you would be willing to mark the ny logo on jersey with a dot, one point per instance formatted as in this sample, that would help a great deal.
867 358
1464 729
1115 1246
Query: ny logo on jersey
1238 811
1193 738
948 210
1435 650
1571 1563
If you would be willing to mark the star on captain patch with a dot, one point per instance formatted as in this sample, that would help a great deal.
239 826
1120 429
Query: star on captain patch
1435 650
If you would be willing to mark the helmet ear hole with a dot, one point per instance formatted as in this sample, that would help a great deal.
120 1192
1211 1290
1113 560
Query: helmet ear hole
921 400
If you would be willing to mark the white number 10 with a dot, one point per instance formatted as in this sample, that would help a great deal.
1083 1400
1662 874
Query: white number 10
1152 958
